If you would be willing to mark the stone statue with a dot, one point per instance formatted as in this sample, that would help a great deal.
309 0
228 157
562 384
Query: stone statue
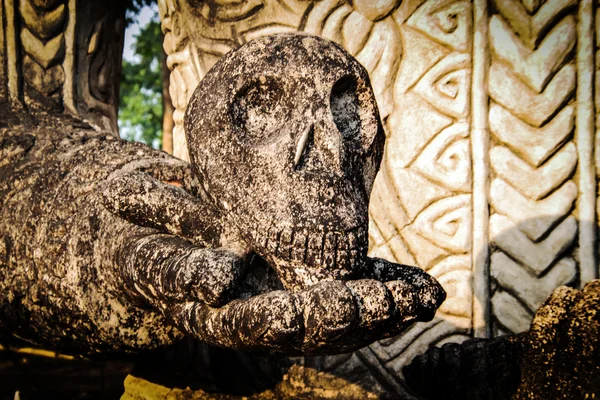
109 246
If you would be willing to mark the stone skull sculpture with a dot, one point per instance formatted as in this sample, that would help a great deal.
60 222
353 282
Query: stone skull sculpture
286 136
285 140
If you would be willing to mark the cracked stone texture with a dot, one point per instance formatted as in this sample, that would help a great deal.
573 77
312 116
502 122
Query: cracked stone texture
108 246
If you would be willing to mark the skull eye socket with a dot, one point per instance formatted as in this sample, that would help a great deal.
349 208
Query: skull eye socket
345 108
259 111
354 111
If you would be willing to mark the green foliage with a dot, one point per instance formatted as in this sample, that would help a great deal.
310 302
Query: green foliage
140 108
133 7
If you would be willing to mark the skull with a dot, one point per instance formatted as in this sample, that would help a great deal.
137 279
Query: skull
285 135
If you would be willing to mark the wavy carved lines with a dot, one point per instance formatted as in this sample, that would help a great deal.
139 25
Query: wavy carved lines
446 85
397 352
95 66
385 220
439 95
446 22
275 16
531 80
427 170
446 159
229 11
43 45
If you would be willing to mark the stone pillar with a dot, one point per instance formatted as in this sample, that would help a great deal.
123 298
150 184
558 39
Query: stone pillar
63 56
489 176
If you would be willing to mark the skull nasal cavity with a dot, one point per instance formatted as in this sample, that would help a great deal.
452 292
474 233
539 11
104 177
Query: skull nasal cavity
345 107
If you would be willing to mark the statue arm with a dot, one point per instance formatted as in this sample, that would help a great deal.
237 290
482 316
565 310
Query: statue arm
74 275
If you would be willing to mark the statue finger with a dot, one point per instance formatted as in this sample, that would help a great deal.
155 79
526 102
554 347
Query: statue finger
143 200
316 320
329 317
385 309
330 313
164 268
342 316
269 321
430 293
374 300
379 310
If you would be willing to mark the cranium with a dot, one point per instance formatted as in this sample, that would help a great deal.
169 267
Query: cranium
286 136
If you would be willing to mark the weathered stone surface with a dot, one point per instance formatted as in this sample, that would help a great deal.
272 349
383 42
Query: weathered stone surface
61 284
561 357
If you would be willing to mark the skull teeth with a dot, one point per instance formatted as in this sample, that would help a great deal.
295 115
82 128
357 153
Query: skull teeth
333 250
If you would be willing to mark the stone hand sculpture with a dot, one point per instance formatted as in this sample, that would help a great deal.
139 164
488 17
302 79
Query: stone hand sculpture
260 244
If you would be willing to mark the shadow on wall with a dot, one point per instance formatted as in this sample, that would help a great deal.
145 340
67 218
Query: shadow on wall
525 267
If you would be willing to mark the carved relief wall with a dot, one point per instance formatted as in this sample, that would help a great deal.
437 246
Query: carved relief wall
489 177
65 55
533 158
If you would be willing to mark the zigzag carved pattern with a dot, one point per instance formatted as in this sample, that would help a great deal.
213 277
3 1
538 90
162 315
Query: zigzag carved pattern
43 43
531 82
